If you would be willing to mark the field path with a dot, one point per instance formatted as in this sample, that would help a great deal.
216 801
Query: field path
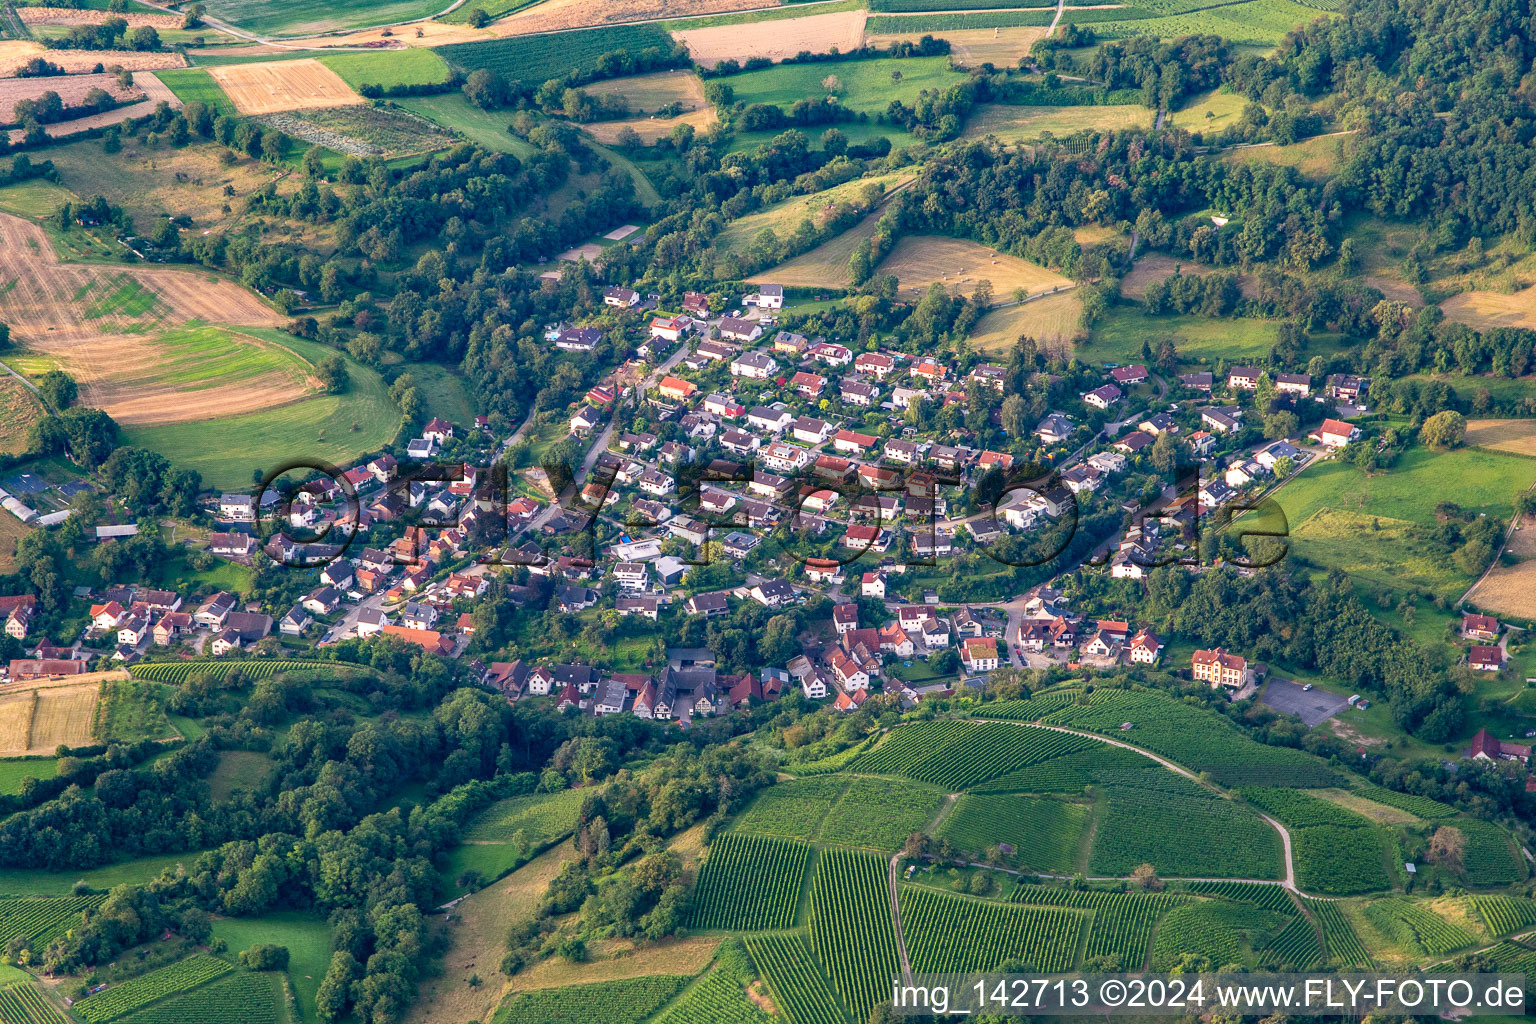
901 940
1061 6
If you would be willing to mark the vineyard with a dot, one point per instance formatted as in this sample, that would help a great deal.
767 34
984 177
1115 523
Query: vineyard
1341 861
1043 834
718 998
879 814
1224 932
1418 806
39 920
612 1002
1270 897
1490 858
792 809
1415 928
1195 738
1343 946
1198 836
1511 957
242 998
22 1004
147 988
1034 708
1121 924
851 928
1072 771
541 819
178 672
750 882
952 933
957 755
1295 947
1298 810
1505 914
799 991
903 6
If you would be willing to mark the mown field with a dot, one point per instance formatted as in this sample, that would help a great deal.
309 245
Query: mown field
402 67
197 85
866 86
306 936
19 410
1054 321
784 217
486 128
1010 123
294 17
334 428
1119 335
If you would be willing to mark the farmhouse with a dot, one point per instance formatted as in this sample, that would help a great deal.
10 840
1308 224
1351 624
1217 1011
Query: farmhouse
1479 627
1487 748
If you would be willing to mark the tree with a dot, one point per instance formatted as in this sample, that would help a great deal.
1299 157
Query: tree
1448 848
58 389
193 16
314 163
1144 877
1013 416
335 993
332 374
1280 424
145 38
478 18
831 84
1444 429
264 956
487 89
91 435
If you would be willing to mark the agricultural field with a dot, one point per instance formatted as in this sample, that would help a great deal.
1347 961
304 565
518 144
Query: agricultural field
404 67
1227 933
542 818
13 772
307 939
969 48
957 755
825 266
1508 589
1119 335
16 52
197 85
750 882
1517 437
1121 923
39 920
487 128
19 410
1042 835
947 933
797 986
865 86
647 95
783 218
1250 22
718 998
621 1002
851 930
1154 268
177 672
335 428
292 17
536 59
1413 927
1503 915
1486 310
1183 835
818 33
918 261
241 998
132 710
239 769
1053 320
792 809
119 1000
880 814
21 1003
1491 858
1315 158
1010 123
1343 947
34 722
304 84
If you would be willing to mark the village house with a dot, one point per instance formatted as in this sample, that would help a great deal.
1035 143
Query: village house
1145 648
739 330
770 296
979 654
1103 397
1486 748
1294 384
1243 378
1220 669
1479 627
756 365
1055 428
1335 433
1126 376
1485 658
621 298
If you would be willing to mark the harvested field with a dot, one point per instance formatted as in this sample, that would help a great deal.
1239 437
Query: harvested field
1053 321
972 47
72 16
617 959
283 85
817 33
1018 123
423 33
11 531
19 409
1515 436
786 216
146 84
63 715
1510 590
560 15
920 260
1486 310
71 89
827 264
650 128
1154 268
15 52
36 721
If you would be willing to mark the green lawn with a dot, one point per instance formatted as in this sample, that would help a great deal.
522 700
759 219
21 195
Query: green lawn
30 882
34 199
864 85
239 769
297 17
13 770
415 66
444 393
1119 334
487 128
306 935
333 428
197 84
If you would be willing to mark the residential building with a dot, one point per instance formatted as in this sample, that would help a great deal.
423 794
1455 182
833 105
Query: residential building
1220 669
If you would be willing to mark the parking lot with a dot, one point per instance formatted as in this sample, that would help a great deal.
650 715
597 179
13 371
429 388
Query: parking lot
1311 706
